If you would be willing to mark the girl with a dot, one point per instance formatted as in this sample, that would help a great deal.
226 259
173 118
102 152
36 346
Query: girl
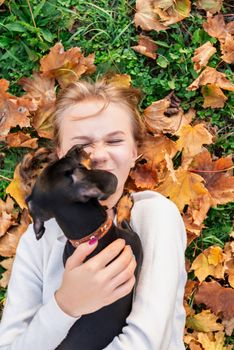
44 299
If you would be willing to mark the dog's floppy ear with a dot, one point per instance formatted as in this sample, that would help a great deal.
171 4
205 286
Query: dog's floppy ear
39 228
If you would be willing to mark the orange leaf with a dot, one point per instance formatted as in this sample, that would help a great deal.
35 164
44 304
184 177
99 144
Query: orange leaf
187 187
145 16
16 190
202 55
218 179
6 264
212 76
13 110
213 96
146 46
19 139
144 177
66 67
124 208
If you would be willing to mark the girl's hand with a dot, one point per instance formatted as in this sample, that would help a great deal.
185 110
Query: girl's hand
87 287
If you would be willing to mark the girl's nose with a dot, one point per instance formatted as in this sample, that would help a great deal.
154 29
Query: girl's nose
98 154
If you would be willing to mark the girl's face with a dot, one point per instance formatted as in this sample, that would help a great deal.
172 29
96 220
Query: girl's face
108 136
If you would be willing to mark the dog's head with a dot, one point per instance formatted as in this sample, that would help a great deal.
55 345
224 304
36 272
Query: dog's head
65 181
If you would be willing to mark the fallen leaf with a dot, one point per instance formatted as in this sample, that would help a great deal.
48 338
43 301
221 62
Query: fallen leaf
211 6
144 176
202 55
146 46
205 321
217 298
217 175
213 96
145 16
66 67
6 264
211 76
124 207
186 188
120 80
20 139
216 343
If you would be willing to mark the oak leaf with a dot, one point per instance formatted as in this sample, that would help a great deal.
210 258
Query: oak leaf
213 96
205 321
186 187
66 67
20 139
202 55
146 46
217 176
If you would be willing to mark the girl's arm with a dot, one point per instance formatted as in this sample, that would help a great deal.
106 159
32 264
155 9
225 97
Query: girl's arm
26 323
157 319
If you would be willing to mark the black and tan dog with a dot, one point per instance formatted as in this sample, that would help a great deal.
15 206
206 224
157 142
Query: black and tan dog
69 192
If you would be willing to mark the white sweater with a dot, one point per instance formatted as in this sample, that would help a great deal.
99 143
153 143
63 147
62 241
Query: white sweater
33 320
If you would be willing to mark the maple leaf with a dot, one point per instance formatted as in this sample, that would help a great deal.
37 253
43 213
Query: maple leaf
66 67
202 55
219 299
191 141
144 176
215 26
15 189
13 110
7 215
155 148
193 230
213 96
217 176
209 262
229 262
216 343
205 321
211 6
146 46
41 90
20 139
186 187
120 80
145 16
212 76
166 116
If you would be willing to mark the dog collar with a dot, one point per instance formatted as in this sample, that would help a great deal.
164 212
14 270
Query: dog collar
98 234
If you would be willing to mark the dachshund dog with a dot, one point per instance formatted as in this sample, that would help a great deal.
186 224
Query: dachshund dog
69 192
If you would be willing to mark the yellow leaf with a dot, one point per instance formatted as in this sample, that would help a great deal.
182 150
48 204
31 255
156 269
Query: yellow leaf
15 189
205 321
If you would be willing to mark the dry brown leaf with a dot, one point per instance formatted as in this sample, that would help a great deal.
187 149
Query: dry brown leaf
6 264
66 67
186 188
20 139
217 298
213 96
155 148
215 26
211 76
13 110
8 215
144 176
146 46
193 230
120 80
217 175
202 55
124 207
199 208
211 6
145 16
191 141
166 116
209 263
205 321
41 89
227 48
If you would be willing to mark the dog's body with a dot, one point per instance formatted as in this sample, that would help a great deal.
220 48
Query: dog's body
69 192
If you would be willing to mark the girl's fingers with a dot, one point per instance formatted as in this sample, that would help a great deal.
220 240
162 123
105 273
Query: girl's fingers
124 289
125 275
100 260
120 263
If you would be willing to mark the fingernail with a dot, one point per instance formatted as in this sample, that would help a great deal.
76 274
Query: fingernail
92 240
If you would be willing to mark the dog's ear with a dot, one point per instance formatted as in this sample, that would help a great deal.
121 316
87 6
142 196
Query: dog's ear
39 228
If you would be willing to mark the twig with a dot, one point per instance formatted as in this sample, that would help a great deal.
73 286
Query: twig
5 178
210 171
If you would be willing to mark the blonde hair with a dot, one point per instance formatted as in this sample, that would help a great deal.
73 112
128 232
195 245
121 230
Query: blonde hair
102 89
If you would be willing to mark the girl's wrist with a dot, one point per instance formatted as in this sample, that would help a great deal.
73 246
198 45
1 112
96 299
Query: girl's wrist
62 306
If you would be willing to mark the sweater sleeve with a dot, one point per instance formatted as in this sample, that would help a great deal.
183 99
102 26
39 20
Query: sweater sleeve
157 319
27 323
